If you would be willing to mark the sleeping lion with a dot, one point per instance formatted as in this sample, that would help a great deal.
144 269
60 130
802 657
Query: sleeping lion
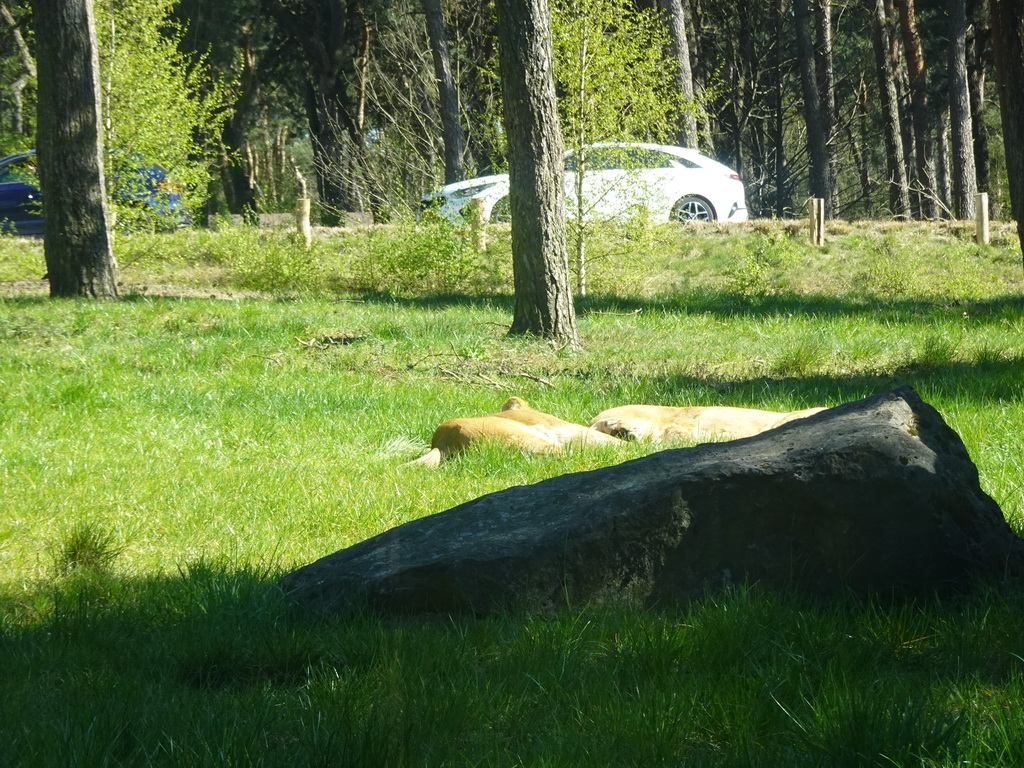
516 425
661 423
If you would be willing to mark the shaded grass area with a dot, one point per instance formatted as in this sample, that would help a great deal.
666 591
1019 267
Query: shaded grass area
164 460
210 667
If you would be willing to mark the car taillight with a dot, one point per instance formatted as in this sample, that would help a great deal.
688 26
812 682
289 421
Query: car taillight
169 187
734 176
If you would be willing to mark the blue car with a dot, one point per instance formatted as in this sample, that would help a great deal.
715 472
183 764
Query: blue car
146 188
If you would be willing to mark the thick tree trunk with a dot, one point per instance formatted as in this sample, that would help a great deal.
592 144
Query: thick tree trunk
896 169
1008 44
543 299
925 182
827 92
448 96
816 139
673 9
79 258
964 175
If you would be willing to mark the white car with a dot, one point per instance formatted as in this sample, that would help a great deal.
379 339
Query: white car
620 179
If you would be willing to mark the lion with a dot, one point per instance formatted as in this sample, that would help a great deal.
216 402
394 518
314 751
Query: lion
661 423
516 425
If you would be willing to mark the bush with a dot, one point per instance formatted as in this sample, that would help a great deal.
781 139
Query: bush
434 256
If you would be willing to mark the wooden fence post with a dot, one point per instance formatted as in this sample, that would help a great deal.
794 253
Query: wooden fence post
816 210
477 225
981 218
302 207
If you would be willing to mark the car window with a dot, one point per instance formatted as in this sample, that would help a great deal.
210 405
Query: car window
626 159
604 159
674 161
23 171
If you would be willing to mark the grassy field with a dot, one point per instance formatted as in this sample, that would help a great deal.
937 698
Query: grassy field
165 457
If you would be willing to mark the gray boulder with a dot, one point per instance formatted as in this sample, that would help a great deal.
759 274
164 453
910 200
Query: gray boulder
874 496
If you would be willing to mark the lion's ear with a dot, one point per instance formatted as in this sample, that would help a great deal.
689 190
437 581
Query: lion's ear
515 404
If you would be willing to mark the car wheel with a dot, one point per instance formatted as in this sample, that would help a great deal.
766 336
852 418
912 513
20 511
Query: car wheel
501 213
692 208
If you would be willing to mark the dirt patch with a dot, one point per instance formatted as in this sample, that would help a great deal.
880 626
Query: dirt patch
40 288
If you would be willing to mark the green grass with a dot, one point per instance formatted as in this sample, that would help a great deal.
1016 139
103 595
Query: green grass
164 459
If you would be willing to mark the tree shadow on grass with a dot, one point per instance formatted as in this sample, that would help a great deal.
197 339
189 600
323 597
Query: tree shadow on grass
988 383
215 667
733 304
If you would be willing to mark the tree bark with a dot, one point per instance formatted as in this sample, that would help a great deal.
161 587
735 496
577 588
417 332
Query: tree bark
943 165
79 257
680 48
896 170
1008 45
448 96
827 92
238 180
816 139
978 59
859 142
964 174
540 263
782 201
925 182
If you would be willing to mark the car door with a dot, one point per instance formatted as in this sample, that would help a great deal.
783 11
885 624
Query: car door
599 192
618 181
21 202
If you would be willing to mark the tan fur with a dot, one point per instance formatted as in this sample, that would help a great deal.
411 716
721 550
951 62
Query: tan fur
661 423
516 425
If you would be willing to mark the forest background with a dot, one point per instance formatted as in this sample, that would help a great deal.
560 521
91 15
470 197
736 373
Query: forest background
881 107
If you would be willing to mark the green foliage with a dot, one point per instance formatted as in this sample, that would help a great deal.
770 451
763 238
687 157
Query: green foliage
272 262
765 258
615 83
161 106
614 80
433 256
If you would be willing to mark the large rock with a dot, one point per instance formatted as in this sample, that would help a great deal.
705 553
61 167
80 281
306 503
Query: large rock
877 495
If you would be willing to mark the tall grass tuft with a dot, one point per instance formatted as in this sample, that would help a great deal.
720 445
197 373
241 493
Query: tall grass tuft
87 546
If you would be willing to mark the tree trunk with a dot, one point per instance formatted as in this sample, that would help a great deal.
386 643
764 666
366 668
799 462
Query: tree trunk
540 264
827 93
896 170
978 58
680 47
965 179
778 108
925 182
333 38
448 96
79 258
859 142
943 166
1008 45
812 102
239 182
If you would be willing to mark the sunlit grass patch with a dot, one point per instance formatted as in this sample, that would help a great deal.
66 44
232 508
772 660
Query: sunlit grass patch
164 460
